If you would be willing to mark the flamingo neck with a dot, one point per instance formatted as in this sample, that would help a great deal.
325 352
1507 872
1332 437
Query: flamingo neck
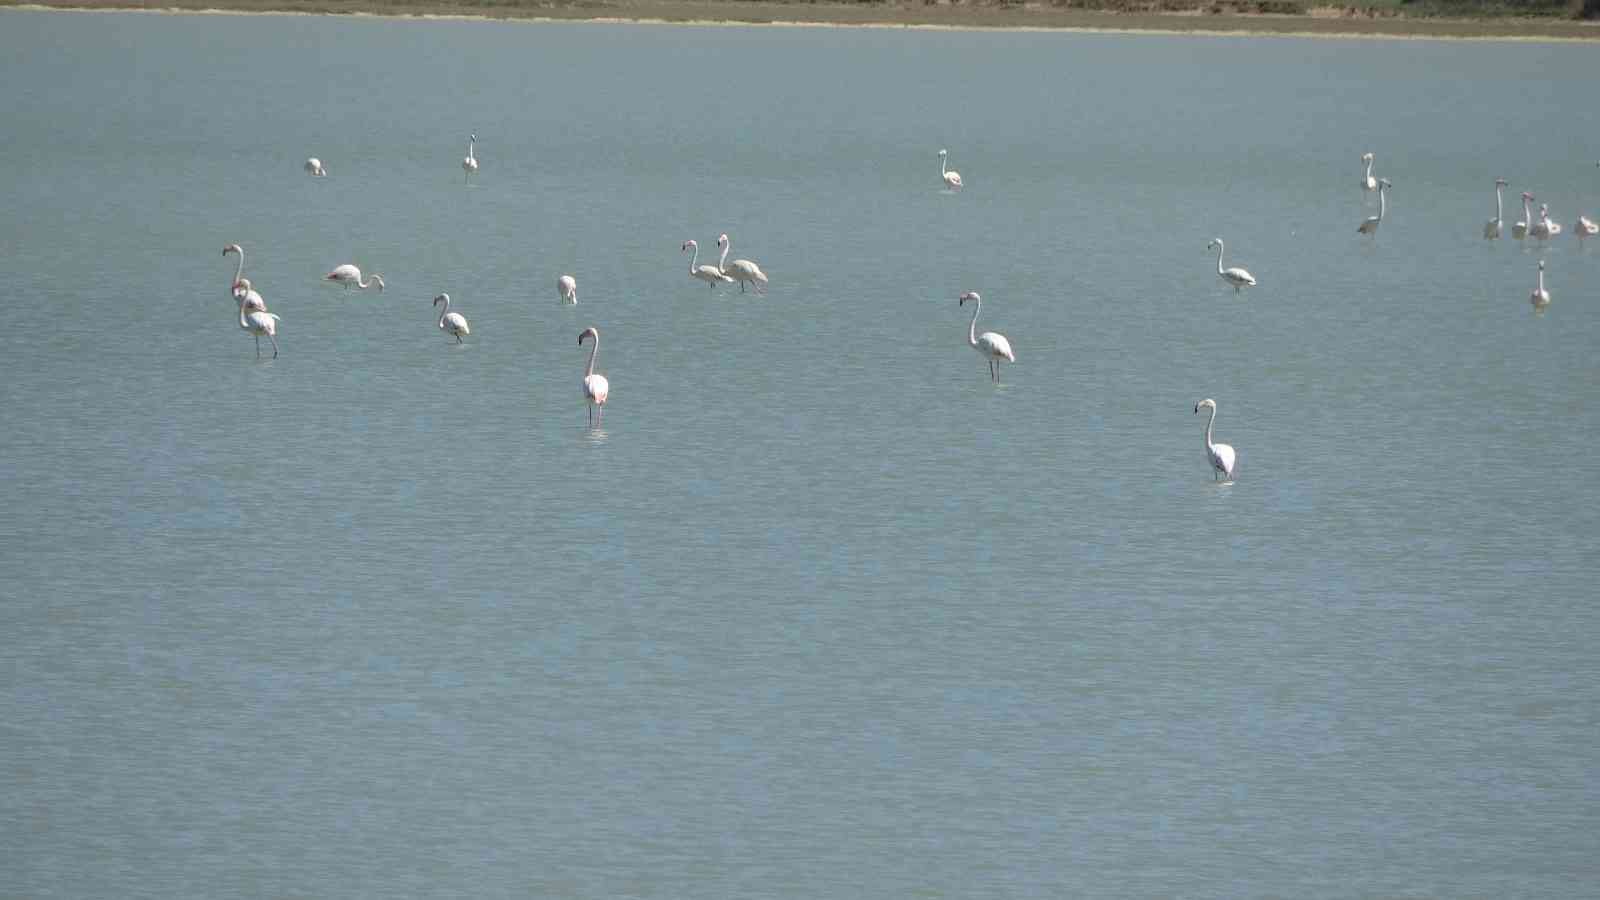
943 161
444 312
1381 191
972 327
1527 210
1209 423
239 272
470 145
722 263
694 258
593 352
1369 169
1219 257
1541 281
1499 203
242 323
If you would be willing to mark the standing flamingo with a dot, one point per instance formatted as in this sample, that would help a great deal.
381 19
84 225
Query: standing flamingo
241 285
595 387
1237 277
1368 183
314 168
741 270
1519 230
1491 228
1219 455
259 323
991 346
711 275
1370 226
952 178
451 322
567 287
1540 298
350 276
470 163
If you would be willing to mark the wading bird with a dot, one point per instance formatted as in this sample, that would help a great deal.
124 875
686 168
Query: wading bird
452 323
1370 226
1491 228
595 387
990 345
1219 455
741 270
470 163
567 287
350 276
711 275
952 178
1237 277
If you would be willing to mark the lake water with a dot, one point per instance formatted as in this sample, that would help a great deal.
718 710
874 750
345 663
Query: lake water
819 611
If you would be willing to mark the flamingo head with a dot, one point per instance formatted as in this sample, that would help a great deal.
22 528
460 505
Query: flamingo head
379 279
687 244
591 331
444 298
1366 157
969 295
1544 209
944 152
472 137
1214 242
1385 183
1501 182
721 239
1541 265
1207 403
232 248
1527 196
242 284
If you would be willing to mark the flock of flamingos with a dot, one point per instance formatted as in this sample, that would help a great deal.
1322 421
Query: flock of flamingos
992 346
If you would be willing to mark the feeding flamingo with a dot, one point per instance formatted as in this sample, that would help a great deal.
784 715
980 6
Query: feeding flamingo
567 287
1370 225
314 168
350 276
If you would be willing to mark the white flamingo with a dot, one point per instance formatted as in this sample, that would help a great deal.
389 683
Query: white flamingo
991 346
1368 183
1543 228
1370 226
595 387
470 163
567 287
314 168
741 270
952 178
241 285
1237 277
350 276
1219 455
1491 228
1540 298
453 323
711 275
258 323
1519 230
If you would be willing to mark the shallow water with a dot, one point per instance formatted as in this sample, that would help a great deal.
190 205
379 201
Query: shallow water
819 611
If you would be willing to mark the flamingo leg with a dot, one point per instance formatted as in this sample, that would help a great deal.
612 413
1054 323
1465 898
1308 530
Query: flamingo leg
258 346
274 344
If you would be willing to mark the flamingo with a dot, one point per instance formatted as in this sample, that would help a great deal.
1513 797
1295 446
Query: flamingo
350 276
259 323
1237 277
1491 228
314 168
1542 228
1519 230
1219 455
595 387
1540 298
241 285
1368 183
1370 226
451 322
567 287
711 275
952 178
741 270
470 163
991 346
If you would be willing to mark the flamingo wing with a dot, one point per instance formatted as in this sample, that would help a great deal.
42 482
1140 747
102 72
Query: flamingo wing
1222 457
457 323
1240 276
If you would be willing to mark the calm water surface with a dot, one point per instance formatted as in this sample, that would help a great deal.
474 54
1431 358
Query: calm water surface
820 612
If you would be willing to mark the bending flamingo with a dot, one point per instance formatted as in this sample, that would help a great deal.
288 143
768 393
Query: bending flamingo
991 346
741 270
595 387
451 322
1237 277
711 275
350 276
259 323
1219 455
952 178
1491 228
567 287
314 168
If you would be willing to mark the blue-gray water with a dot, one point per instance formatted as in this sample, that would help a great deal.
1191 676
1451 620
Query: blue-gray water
820 612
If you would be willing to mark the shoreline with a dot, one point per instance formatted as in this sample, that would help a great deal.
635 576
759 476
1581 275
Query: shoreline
897 15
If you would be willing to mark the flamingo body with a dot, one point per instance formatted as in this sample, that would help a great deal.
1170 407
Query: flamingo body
314 168
350 276
258 323
1519 230
567 287
1220 456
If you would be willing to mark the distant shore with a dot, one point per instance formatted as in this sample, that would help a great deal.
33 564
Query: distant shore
989 14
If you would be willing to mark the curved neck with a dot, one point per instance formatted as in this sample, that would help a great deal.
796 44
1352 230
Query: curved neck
593 352
972 327
471 142
242 323
1209 423
1369 168
694 258
1219 257
723 262
444 312
364 284
239 272
943 160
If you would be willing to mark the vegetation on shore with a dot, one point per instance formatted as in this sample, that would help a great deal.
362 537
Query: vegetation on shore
1445 18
